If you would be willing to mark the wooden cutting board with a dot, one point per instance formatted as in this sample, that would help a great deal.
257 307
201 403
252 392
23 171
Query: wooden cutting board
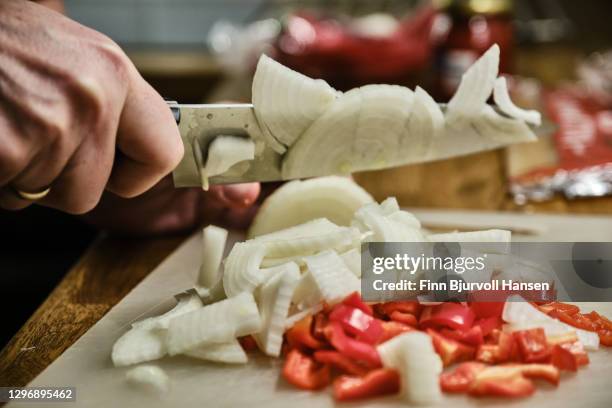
87 365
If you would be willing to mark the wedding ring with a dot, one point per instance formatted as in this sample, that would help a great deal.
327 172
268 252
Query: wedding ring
25 195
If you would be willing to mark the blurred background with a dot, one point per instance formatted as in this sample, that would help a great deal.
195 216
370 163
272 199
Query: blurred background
555 53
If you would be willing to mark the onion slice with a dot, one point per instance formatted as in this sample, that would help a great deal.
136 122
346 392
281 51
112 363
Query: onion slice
224 153
149 376
230 352
213 246
333 279
502 99
138 345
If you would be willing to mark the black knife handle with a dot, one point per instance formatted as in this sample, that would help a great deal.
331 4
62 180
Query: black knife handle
176 110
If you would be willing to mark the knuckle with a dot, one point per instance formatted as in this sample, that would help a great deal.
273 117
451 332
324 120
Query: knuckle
12 160
80 205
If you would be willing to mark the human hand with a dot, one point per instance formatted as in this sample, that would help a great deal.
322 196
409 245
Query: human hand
75 115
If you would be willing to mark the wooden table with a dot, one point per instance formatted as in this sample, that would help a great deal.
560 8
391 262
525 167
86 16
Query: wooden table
112 267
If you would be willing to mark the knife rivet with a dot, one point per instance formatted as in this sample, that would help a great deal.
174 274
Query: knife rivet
209 116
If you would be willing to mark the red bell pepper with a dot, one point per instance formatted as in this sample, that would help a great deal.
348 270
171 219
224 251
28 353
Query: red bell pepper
605 337
576 320
460 380
505 350
356 322
533 345
488 324
354 300
299 336
339 361
302 371
319 323
510 386
487 303
546 372
563 359
248 343
392 329
471 337
450 351
352 348
564 307
405 318
377 382
410 307
452 315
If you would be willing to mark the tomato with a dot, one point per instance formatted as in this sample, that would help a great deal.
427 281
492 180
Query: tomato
339 361
299 336
302 371
351 348
533 345
354 300
357 323
450 351
392 329
405 318
377 382
452 315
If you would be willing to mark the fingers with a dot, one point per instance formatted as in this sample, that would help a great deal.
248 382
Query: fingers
235 195
148 139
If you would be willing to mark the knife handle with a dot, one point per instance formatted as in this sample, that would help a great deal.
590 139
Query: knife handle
176 110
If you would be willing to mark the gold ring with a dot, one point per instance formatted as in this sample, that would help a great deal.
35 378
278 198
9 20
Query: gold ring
24 195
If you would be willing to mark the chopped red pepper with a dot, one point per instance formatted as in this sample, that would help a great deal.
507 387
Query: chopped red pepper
405 318
533 345
452 315
354 300
302 371
576 320
505 350
450 351
410 307
377 382
357 323
563 359
299 336
460 380
605 337
339 361
564 307
352 348
471 337
488 324
318 326
248 343
510 386
392 329
546 372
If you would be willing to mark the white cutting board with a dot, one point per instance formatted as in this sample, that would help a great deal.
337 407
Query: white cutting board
87 365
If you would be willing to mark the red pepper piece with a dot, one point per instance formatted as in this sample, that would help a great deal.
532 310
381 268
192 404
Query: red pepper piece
354 321
505 350
450 351
452 315
392 329
352 348
488 324
515 386
471 337
299 336
533 345
339 361
354 300
377 382
576 320
564 307
248 343
318 326
563 359
405 318
411 307
460 380
546 372
302 371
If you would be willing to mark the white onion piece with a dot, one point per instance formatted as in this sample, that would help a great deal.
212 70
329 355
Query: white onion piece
149 376
307 293
413 355
352 259
476 86
213 245
138 345
389 206
274 301
287 101
242 268
223 153
501 129
296 317
186 303
230 353
385 229
297 202
216 323
333 279
308 229
344 237
502 99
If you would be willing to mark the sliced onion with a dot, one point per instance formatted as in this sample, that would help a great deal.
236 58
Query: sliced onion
138 345
333 279
213 246
287 101
149 376
297 202
307 293
242 268
216 323
274 301
342 238
186 303
230 353
476 86
385 228
352 260
502 99
224 153
502 129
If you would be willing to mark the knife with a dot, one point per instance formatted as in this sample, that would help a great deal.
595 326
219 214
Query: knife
199 124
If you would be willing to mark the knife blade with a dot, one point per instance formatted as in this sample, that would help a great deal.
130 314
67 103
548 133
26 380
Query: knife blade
199 124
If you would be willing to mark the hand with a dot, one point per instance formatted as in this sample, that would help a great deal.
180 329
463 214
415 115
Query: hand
75 115
165 209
